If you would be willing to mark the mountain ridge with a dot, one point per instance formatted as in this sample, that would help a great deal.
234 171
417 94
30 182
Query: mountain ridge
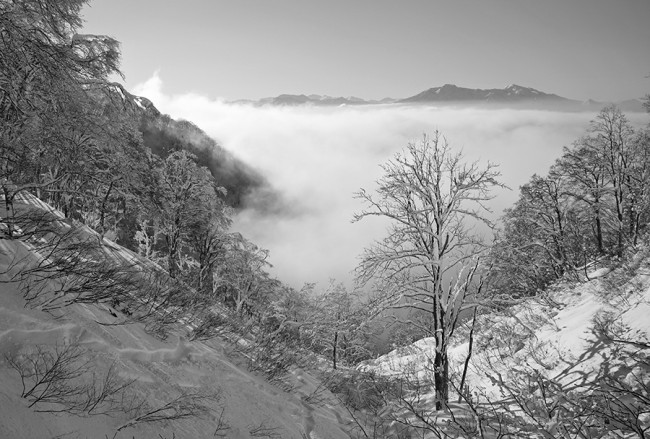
511 93
450 94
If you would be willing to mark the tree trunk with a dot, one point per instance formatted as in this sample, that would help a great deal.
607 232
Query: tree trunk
621 225
441 376
102 210
469 356
599 233
206 278
336 339
10 213
172 256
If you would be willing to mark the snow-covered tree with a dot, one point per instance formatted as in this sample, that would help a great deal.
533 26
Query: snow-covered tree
429 257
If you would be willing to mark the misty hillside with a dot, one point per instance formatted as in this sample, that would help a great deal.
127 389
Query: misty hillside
164 135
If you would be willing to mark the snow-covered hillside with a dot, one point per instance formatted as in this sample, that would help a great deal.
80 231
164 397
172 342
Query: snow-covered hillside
579 354
84 370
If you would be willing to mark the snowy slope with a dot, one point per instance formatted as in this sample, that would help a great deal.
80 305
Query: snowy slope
562 322
239 403
562 338
534 355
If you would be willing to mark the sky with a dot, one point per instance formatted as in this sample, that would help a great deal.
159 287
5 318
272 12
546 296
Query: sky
192 58
249 49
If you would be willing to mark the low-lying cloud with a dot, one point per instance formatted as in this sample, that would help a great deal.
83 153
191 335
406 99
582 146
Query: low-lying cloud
317 157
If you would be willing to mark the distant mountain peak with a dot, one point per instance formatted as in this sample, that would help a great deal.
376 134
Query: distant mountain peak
512 96
315 100
519 89
513 93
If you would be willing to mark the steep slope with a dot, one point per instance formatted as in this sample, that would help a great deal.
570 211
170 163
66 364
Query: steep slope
164 135
205 386
574 359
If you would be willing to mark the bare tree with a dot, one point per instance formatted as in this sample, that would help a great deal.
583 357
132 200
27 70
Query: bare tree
186 405
588 177
184 195
49 376
242 278
336 324
57 380
264 430
222 427
428 260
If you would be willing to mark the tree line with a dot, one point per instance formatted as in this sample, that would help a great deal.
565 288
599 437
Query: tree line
590 211
69 138
82 144
593 203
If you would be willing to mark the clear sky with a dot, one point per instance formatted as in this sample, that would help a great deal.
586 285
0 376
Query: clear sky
248 49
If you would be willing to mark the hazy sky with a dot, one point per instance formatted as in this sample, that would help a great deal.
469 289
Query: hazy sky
237 49
189 57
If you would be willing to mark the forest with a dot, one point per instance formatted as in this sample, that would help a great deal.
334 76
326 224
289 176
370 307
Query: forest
86 167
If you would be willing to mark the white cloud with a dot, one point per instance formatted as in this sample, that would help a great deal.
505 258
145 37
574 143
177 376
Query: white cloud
318 157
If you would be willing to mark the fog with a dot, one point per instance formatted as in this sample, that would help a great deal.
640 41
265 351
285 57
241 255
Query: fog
316 158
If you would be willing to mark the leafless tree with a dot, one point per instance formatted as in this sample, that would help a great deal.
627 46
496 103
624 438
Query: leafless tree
428 261
241 278
263 429
49 376
186 405
222 427
57 380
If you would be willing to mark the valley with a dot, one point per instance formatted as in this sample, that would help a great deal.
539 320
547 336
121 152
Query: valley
177 262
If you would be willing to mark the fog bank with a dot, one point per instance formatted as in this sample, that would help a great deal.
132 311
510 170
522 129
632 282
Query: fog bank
317 157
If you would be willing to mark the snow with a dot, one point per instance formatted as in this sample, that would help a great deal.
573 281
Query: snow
598 273
414 358
555 335
637 318
160 368
120 92
138 102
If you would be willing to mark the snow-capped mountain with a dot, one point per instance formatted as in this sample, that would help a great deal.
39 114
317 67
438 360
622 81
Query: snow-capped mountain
512 93
449 94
